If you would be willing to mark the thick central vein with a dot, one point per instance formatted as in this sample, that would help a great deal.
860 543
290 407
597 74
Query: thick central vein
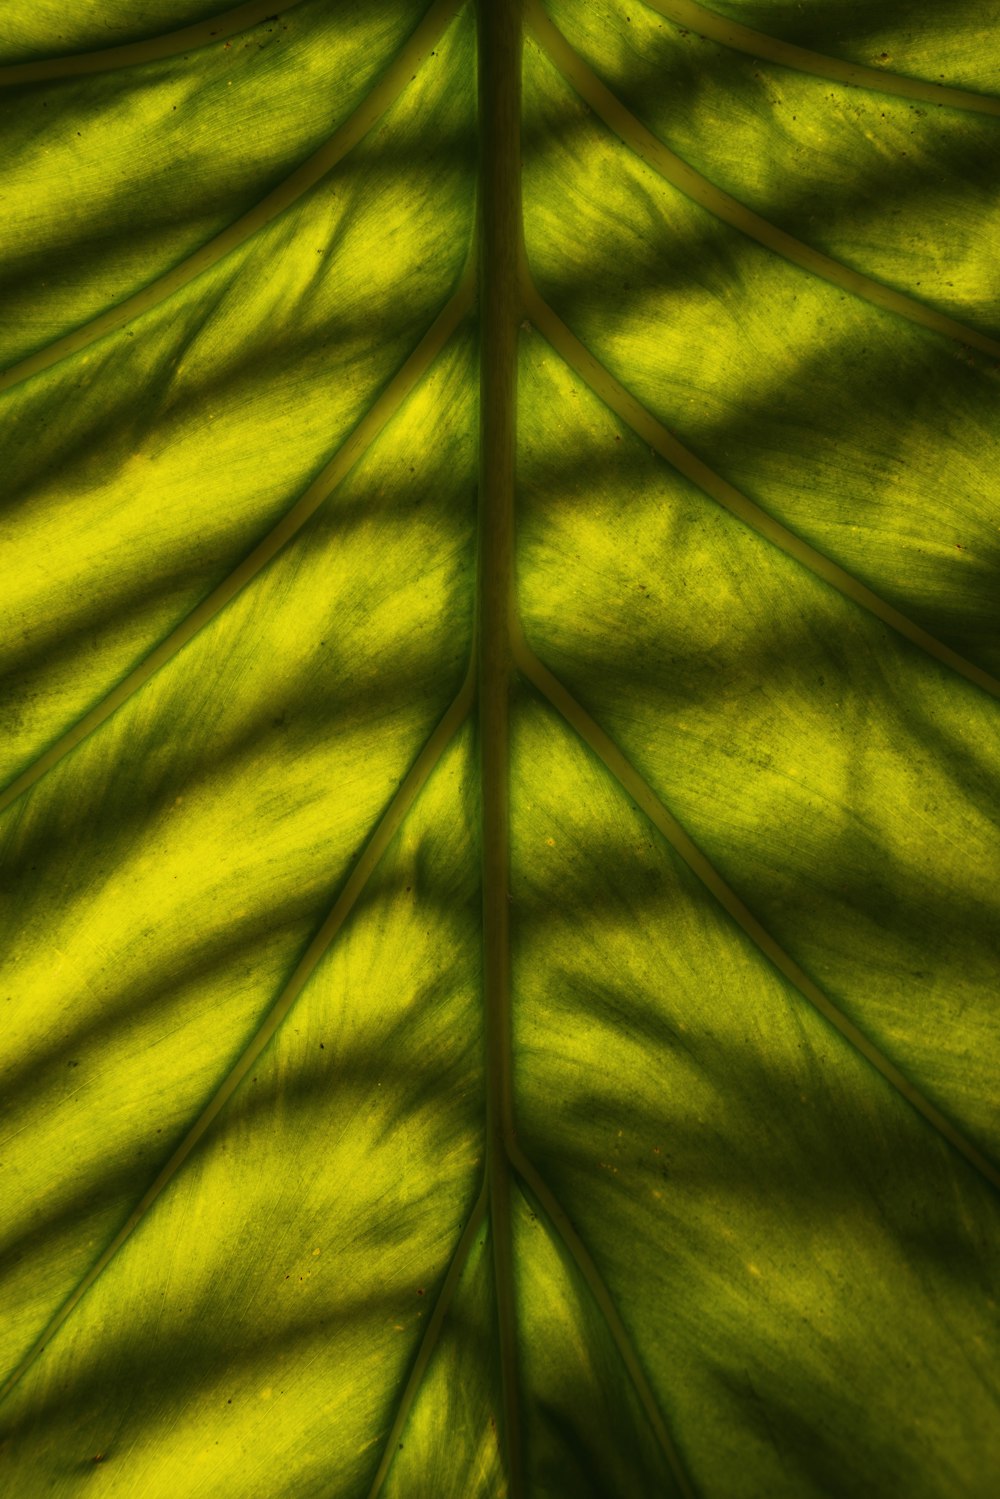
500 241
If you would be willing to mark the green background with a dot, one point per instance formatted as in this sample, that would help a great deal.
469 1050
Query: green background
247 1249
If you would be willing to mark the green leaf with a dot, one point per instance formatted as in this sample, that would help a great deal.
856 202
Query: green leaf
500 837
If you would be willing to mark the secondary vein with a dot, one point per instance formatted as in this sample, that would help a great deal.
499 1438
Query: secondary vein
661 440
365 866
364 434
649 802
150 49
500 292
758 44
673 169
429 1341
345 137
564 1229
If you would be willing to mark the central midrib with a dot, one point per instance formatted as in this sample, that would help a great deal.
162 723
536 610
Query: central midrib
499 28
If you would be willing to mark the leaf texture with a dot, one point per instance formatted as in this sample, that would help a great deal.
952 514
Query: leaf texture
500 675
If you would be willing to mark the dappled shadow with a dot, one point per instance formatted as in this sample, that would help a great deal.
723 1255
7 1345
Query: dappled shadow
774 1236
771 440
103 1189
877 205
179 579
869 897
189 201
379 1068
255 372
158 21
948 587
180 587
844 29
853 399
371 171
116 1392
741 1176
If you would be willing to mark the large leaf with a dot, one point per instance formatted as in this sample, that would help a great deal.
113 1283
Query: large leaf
500 1009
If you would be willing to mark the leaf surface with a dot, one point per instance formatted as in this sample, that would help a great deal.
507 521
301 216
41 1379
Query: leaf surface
500 744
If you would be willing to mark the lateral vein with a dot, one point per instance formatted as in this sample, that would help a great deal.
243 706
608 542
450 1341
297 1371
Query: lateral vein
662 441
758 44
345 137
562 1225
150 49
367 861
499 57
364 434
429 1341
728 209
649 802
